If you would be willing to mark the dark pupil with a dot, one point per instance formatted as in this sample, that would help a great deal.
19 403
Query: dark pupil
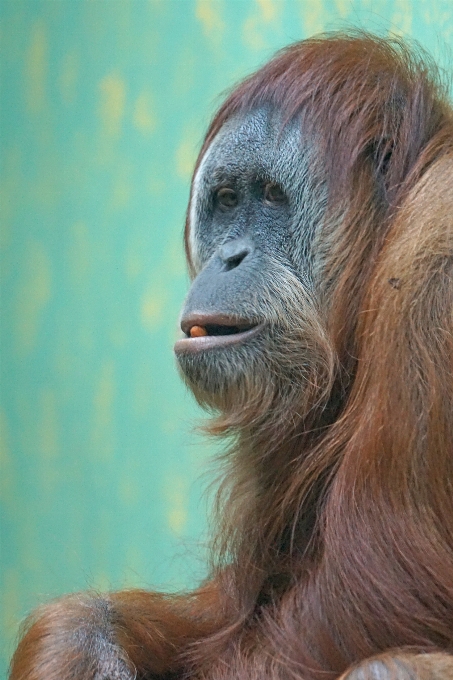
227 198
273 194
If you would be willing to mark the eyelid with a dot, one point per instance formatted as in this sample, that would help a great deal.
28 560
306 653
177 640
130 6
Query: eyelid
223 185
221 182
275 202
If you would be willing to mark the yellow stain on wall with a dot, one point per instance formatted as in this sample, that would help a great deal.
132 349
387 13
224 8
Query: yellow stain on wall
112 103
265 17
102 582
6 215
122 187
79 255
314 15
29 555
209 13
344 7
69 75
47 443
269 10
142 397
158 5
102 434
175 261
48 425
11 609
186 155
36 69
251 34
33 294
128 491
10 192
402 17
144 118
176 495
45 191
177 519
152 308
156 185
6 463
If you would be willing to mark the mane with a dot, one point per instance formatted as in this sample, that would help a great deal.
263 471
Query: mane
347 518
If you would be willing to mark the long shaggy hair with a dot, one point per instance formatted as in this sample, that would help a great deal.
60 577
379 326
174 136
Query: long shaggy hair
336 521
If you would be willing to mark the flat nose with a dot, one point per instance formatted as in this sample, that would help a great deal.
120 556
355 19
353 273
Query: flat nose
234 252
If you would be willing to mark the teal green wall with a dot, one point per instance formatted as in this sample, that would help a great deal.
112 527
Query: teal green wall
103 106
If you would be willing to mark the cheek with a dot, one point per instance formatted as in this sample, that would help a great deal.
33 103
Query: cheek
192 238
206 234
197 215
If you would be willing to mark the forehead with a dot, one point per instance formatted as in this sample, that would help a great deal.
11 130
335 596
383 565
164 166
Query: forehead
256 139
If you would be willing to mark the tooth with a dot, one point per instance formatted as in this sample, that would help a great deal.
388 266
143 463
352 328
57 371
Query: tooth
197 332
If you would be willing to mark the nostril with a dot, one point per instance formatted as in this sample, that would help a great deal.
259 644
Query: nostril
234 260
233 253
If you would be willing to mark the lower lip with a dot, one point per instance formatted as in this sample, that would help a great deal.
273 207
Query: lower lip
193 345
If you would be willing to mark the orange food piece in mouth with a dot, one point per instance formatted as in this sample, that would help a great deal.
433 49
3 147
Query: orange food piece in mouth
197 332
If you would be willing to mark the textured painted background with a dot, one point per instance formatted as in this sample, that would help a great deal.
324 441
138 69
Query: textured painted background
103 105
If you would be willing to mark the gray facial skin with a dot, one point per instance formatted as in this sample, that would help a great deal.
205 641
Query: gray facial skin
246 154
254 260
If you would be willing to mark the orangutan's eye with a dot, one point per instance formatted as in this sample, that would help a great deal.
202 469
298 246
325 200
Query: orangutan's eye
274 194
226 198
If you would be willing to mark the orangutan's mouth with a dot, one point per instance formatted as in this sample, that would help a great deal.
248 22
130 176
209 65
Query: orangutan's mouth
206 331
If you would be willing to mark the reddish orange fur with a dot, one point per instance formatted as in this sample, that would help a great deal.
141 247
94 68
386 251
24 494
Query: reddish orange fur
336 536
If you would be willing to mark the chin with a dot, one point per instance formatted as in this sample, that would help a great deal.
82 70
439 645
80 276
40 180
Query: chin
219 376
252 382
